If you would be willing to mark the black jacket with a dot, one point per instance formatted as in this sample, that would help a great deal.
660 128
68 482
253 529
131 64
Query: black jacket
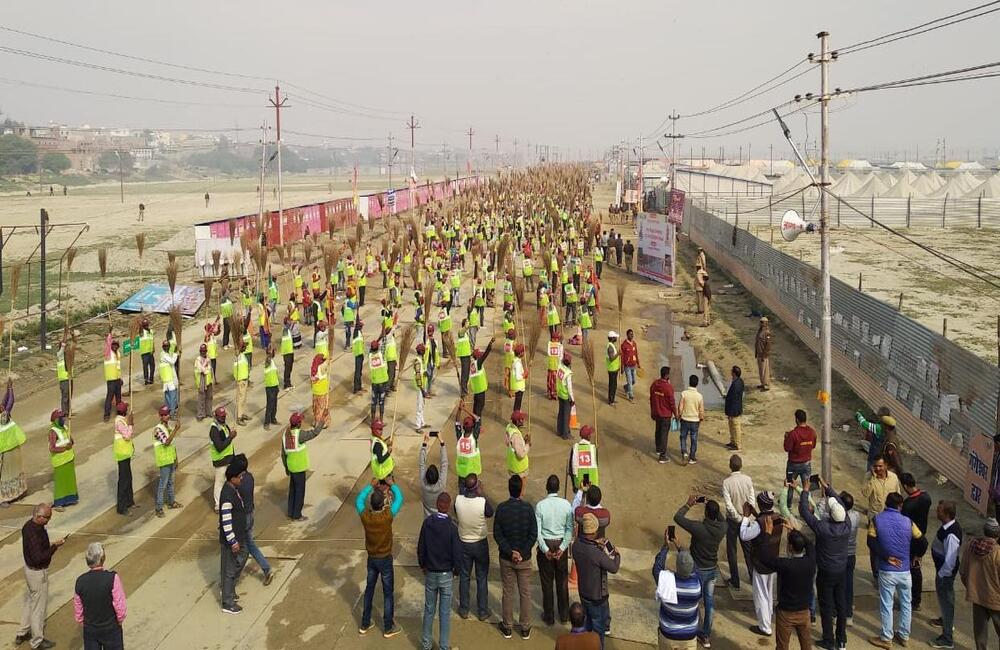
734 398
220 441
515 528
232 516
438 548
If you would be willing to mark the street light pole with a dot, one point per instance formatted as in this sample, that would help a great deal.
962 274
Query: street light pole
824 238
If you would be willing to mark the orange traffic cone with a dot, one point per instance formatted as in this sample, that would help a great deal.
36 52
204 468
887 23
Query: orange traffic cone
572 573
574 423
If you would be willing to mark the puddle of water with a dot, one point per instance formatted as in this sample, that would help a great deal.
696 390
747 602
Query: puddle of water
680 356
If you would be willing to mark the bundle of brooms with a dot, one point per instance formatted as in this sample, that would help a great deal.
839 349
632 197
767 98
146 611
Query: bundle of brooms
589 364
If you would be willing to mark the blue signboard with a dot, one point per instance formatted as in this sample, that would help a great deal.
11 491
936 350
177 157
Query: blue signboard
155 297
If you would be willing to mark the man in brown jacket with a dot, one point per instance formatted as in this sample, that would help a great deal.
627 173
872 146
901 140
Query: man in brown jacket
980 572
762 352
377 508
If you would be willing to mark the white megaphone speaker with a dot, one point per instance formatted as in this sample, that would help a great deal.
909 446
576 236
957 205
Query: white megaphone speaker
792 225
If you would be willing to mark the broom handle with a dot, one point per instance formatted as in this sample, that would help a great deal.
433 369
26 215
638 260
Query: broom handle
130 374
593 395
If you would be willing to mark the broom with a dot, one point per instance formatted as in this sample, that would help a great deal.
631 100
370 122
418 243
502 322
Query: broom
359 231
172 279
534 334
102 263
238 262
405 343
140 246
307 249
134 325
428 304
588 363
216 260
620 287
171 256
15 280
232 231
70 256
209 284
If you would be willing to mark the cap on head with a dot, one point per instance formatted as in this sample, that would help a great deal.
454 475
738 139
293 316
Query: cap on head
685 564
468 423
295 419
518 417
586 431
612 334
763 319
374 345
556 336
164 411
889 421
567 359
220 414
377 427
421 348
589 524
765 500
122 408
477 353
837 512
56 414
991 528
519 349
512 334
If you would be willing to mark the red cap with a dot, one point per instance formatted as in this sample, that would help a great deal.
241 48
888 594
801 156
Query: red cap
165 411
556 336
519 349
374 345
518 417
377 426
220 413
56 414
295 419
421 348
567 360
512 333
122 408
468 423
586 431
477 353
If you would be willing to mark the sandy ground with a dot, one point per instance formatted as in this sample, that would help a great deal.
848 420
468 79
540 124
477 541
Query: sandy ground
932 289
170 566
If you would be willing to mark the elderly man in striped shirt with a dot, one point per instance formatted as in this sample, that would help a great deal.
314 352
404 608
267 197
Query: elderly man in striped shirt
232 535
678 594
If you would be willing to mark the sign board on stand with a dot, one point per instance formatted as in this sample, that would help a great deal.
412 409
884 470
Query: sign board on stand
657 239
675 207
979 472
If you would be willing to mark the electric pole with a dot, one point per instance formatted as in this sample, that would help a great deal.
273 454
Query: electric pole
640 184
673 145
497 140
278 104
470 133
824 242
389 157
413 125
260 190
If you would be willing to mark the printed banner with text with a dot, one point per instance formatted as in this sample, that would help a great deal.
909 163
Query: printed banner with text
656 248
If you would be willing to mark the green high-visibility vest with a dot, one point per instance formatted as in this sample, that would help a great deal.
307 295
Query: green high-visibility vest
121 447
515 465
563 377
247 342
570 290
62 374
378 368
468 459
212 347
555 352
323 345
598 254
270 374
146 342
322 384
381 470
358 345
112 367
478 383
444 321
296 455
226 309
62 438
11 436
164 454
463 347
552 316
272 291
286 343
613 365
228 451
474 318
390 348
517 381
586 462
241 369
348 312
166 371
585 321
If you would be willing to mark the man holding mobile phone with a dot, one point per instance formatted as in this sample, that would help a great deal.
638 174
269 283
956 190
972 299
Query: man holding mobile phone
38 552
799 444
706 537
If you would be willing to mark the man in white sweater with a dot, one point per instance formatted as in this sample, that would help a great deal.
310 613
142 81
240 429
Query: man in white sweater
472 510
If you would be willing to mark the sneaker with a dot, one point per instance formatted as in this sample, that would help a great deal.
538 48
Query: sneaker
392 631
504 630
159 513
232 609
756 630
663 460
826 645
936 622
21 638
900 640
941 642
175 505
45 645
485 616
692 461
463 615
364 629
268 578
704 641
879 642
684 457
842 646
525 633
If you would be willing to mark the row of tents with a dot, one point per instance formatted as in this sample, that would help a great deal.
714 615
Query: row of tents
899 184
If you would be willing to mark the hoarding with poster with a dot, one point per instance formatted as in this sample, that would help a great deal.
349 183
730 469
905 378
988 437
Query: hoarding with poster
656 248
979 471
675 207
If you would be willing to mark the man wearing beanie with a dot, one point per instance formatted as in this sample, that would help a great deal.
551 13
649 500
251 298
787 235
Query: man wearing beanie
795 581
232 536
980 572
595 558
677 593
833 534
762 530
246 493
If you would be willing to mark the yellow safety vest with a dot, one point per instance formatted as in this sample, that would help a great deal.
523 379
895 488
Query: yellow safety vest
463 347
586 462
241 369
563 376
381 470
296 455
555 353
146 342
478 382
468 457
613 365
122 448
517 381
515 465
112 367
164 454
378 368
270 374
322 384
62 438
228 451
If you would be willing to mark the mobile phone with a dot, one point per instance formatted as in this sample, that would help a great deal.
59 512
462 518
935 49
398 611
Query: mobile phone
586 478
609 546
434 434
814 482
700 499
671 532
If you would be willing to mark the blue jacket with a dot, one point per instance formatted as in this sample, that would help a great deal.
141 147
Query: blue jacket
889 535
734 398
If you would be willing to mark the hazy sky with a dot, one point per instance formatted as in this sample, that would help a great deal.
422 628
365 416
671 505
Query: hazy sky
580 75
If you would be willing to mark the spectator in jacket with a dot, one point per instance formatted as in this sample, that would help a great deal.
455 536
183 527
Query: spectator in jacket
944 552
432 480
763 531
439 553
554 517
737 491
99 602
515 531
246 493
587 500
799 444
879 485
889 537
832 537
916 506
734 409
662 409
37 551
677 594
594 557
795 588
706 536
377 520
691 412
578 637
232 536
472 509
980 572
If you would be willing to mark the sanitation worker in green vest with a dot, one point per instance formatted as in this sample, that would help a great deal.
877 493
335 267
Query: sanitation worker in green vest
63 462
124 449
381 446
165 455
295 457
13 484
518 445
583 460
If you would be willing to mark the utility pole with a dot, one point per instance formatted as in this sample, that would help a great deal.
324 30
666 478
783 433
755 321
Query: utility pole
263 159
497 139
42 231
413 125
388 160
514 161
470 133
826 447
640 182
673 137
121 177
278 104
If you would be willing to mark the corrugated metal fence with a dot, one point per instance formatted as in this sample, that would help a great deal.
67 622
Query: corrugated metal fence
940 393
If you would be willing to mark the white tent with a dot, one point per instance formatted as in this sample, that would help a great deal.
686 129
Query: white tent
904 187
908 165
794 180
988 189
846 185
928 183
956 186
872 186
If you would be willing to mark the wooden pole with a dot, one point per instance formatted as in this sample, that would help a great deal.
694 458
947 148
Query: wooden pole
900 308
944 328
859 281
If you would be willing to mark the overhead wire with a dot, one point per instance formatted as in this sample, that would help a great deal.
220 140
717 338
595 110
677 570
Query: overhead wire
80 91
923 28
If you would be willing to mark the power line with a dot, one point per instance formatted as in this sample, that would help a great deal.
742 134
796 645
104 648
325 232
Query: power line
923 29
131 73
31 84
343 102
934 75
